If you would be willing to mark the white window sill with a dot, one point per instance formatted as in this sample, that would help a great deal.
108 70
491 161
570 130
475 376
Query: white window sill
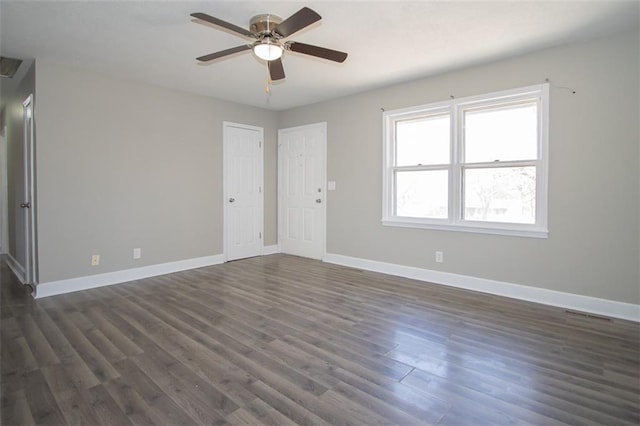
494 229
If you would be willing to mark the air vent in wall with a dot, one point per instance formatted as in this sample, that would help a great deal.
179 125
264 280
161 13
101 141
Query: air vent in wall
9 66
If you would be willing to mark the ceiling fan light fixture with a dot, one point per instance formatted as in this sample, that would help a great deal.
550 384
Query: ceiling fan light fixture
267 50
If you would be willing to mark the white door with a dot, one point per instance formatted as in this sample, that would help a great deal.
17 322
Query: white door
243 198
301 190
28 204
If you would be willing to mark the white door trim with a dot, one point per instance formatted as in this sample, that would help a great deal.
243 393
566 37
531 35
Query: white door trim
31 259
225 185
323 232
4 209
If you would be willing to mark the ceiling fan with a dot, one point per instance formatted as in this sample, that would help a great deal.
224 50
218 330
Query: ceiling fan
269 31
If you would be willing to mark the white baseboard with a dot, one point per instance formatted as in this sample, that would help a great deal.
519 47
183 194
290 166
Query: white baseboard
267 250
17 268
53 288
610 308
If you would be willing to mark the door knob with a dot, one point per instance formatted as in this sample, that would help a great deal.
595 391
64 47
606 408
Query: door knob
318 201
231 200
25 205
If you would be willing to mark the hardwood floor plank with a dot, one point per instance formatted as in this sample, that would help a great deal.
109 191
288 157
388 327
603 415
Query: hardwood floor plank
259 365
366 409
92 357
75 407
339 338
81 375
240 313
69 377
12 382
471 413
427 409
107 411
221 369
282 340
42 352
394 331
200 318
182 394
330 412
15 409
289 408
168 339
378 363
266 414
111 332
160 405
335 360
304 362
547 401
16 354
484 408
243 417
17 357
132 404
59 379
96 338
293 299
136 335
63 349
43 406
522 361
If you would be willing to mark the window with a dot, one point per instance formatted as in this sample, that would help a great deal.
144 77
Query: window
476 164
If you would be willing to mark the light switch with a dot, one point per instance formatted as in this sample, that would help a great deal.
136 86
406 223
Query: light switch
331 185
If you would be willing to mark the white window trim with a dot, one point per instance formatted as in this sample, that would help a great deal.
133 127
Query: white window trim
455 221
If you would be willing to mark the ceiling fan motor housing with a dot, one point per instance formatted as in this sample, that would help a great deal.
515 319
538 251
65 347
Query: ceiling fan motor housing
263 25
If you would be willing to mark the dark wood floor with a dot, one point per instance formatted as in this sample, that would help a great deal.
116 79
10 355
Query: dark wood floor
284 340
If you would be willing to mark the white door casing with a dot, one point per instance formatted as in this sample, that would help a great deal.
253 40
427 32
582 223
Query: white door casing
301 190
243 191
4 215
28 205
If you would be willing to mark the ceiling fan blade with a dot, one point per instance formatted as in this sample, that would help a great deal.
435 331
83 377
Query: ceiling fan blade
294 23
222 53
320 52
276 70
224 24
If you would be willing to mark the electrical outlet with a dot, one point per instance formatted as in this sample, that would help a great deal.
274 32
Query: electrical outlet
95 260
439 257
137 253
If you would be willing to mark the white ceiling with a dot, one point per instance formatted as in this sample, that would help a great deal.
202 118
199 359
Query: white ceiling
388 42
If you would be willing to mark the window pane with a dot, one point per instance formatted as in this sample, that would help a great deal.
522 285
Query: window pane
504 194
423 141
503 134
422 194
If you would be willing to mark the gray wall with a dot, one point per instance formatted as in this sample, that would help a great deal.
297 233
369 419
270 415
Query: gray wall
124 165
593 246
12 102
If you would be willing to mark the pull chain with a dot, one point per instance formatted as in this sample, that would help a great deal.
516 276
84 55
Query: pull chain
267 89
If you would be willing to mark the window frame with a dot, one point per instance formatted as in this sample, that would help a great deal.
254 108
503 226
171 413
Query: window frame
456 108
